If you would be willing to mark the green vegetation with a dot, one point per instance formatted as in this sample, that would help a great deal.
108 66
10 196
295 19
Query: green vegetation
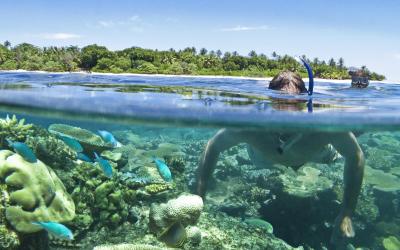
187 61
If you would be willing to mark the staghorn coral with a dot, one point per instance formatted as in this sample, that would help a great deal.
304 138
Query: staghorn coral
14 129
168 221
89 141
36 193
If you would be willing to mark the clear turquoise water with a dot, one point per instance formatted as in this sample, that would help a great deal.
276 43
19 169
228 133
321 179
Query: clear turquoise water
146 111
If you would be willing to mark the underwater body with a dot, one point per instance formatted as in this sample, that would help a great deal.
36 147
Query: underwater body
117 157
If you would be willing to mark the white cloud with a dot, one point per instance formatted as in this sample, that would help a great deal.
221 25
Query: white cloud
106 24
133 23
246 28
60 36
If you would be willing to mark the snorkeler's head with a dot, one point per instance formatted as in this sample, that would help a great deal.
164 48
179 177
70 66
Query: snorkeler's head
289 82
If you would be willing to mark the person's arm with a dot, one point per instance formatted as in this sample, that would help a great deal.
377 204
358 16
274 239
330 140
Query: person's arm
346 144
223 140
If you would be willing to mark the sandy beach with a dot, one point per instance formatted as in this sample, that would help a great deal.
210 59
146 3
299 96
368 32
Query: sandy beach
187 76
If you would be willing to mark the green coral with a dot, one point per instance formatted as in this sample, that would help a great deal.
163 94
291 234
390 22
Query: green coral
391 243
52 151
157 188
382 181
14 129
89 140
307 183
36 193
8 238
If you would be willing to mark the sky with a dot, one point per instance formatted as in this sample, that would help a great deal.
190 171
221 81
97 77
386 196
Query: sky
362 32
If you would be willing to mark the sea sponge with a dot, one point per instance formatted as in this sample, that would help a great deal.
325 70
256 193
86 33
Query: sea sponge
89 140
168 221
36 193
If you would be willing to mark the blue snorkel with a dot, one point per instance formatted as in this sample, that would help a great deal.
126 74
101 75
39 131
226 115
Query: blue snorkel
309 72
310 81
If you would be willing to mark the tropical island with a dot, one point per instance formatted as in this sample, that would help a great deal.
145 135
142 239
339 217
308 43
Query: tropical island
188 61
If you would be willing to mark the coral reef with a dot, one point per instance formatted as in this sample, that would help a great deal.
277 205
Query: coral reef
52 151
128 247
381 180
14 130
89 141
168 221
8 238
36 193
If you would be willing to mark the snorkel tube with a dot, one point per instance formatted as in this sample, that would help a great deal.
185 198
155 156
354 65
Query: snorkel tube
309 72
310 81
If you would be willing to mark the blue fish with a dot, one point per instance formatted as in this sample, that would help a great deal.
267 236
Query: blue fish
81 156
56 229
108 137
72 143
163 169
23 150
104 164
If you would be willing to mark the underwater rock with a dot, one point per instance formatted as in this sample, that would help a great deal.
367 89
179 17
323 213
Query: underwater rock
391 243
14 130
90 141
36 193
168 221
128 247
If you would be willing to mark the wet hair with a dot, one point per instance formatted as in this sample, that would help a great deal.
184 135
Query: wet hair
289 82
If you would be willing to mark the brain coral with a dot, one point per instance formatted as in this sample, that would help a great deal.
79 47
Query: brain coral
35 191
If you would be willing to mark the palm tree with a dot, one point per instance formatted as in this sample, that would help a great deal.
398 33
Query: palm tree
7 44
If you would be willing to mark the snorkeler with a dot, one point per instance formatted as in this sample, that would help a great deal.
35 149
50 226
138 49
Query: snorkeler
293 150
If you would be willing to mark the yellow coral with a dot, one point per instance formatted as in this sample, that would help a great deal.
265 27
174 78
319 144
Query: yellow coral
157 188
37 193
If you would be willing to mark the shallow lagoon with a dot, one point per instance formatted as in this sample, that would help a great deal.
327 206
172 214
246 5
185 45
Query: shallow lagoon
172 119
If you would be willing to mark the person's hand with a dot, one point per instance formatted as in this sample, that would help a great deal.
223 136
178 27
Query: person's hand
343 229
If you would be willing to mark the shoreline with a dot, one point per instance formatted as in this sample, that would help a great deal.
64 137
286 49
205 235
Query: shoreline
183 76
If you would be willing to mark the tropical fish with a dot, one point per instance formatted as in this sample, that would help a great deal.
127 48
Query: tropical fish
259 223
23 150
72 143
109 138
163 169
104 164
56 229
81 156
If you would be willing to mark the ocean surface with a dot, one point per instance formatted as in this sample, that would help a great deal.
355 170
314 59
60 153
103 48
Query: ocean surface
150 162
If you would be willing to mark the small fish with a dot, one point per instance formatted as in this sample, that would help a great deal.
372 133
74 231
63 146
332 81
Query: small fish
81 156
109 138
23 150
104 164
72 143
56 229
259 223
163 169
